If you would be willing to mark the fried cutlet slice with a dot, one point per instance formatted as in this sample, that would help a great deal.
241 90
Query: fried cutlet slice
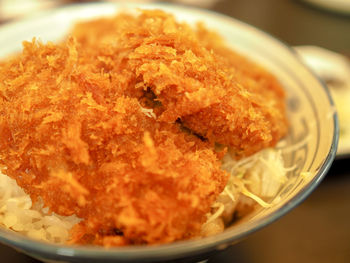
74 141
193 76
252 115
152 51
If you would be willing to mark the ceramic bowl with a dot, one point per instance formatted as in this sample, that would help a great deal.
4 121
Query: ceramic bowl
313 130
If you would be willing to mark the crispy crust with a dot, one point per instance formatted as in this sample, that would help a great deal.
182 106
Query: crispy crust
76 134
84 150
214 91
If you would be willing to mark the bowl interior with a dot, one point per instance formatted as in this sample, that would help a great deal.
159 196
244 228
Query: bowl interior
312 136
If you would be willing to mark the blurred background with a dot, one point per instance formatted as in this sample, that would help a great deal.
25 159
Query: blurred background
319 229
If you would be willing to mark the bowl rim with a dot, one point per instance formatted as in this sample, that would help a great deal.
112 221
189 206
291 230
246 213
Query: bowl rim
184 248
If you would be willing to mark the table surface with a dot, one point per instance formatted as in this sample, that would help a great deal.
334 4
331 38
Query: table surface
319 229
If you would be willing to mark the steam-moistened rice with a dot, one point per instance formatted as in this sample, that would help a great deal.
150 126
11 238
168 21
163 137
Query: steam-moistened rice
18 213
136 129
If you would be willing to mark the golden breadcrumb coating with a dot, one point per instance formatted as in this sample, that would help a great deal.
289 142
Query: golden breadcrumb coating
91 126
83 149
252 115
194 77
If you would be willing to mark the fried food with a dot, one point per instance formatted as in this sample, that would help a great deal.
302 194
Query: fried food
194 76
90 127
252 115
84 150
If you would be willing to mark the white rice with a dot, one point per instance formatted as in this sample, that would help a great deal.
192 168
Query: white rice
18 214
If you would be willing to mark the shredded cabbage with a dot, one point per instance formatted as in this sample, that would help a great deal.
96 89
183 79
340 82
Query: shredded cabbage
148 112
259 177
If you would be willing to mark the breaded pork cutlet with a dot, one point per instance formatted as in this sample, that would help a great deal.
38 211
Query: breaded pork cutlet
252 115
90 126
84 150
193 76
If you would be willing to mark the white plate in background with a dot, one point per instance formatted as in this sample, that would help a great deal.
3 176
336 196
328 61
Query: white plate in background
339 6
334 70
